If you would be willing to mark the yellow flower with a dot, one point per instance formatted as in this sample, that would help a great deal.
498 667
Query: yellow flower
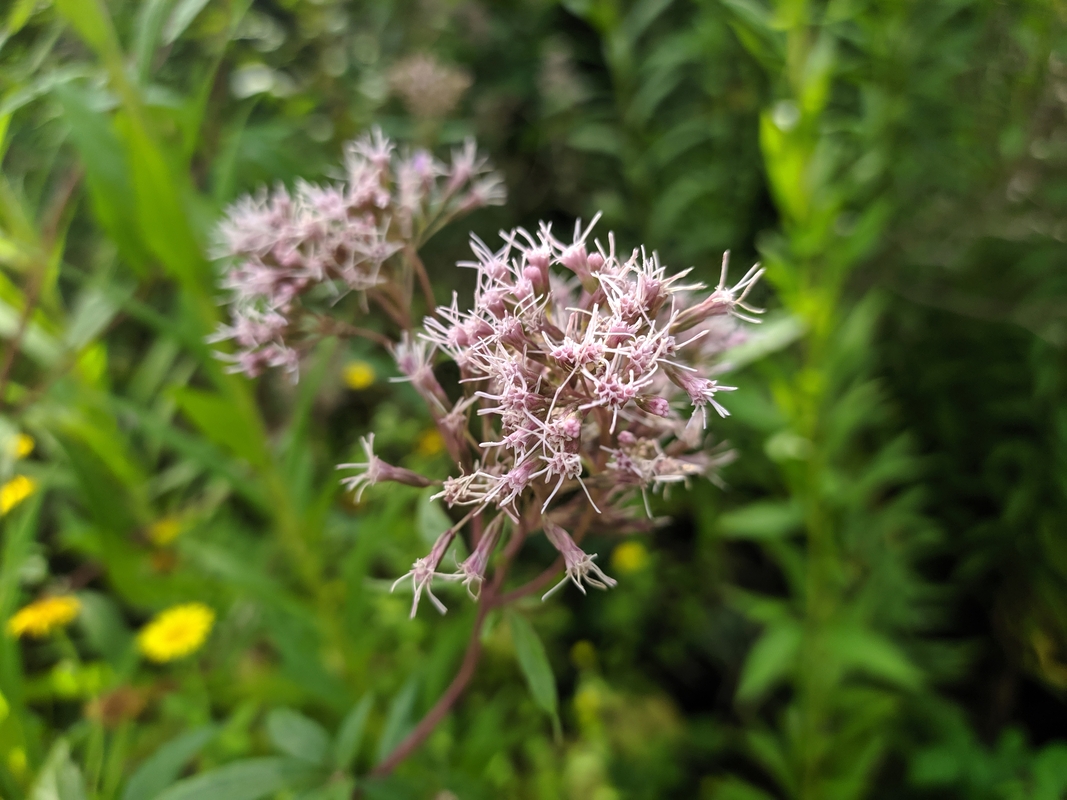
430 442
43 616
359 375
583 654
629 557
15 491
17 763
22 446
176 632
164 530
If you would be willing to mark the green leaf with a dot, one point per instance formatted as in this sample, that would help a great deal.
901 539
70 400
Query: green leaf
181 18
874 655
104 627
334 790
769 661
593 138
535 667
770 519
350 735
196 448
769 751
59 778
20 14
732 788
1050 772
432 519
19 529
90 20
106 173
149 26
47 82
37 343
223 423
758 607
161 212
163 767
93 311
298 736
776 333
250 779
397 721
641 15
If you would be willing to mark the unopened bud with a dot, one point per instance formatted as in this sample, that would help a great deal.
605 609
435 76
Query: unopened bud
654 405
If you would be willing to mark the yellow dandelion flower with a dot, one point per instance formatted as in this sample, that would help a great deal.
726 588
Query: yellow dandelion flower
164 530
430 442
629 557
359 375
43 616
22 446
17 763
15 491
176 632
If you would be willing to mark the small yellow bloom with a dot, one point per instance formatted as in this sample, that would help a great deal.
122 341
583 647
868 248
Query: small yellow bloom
164 530
22 446
583 654
17 763
359 375
176 632
430 442
629 557
15 491
41 617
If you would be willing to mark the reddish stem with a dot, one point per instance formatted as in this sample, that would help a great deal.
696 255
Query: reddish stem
490 599
335 328
424 279
434 716
425 727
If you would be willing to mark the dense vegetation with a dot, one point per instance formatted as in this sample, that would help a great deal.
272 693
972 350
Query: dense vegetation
873 604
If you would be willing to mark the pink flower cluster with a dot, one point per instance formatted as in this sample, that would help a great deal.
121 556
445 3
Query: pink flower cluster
587 379
586 376
292 253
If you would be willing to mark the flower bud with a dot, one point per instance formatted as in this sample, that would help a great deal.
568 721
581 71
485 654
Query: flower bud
654 405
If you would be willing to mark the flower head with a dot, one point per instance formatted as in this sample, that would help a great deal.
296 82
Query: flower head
572 360
15 491
44 616
359 375
424 570
428 88
165 530
176 632
291 254
580 566
565 368
375 471
21 445
472 571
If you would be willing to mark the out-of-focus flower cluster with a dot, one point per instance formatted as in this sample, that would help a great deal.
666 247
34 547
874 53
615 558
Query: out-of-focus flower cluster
428 88
291 255
588 379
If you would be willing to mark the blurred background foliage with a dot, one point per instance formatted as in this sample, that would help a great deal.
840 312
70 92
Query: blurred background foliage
875 603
